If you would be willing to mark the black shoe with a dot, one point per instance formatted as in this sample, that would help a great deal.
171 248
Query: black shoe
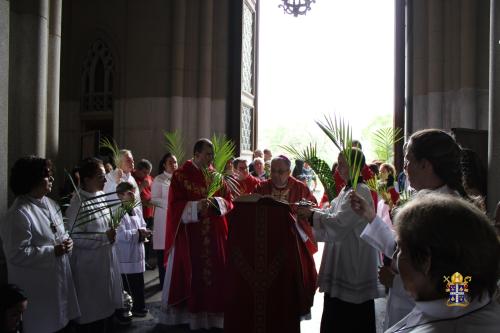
122 320
140 313
150 267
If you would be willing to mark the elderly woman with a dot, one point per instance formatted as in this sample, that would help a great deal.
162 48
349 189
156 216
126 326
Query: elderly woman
94 261
439 236
37 248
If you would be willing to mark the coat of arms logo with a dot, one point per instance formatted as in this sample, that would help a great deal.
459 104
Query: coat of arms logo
458 289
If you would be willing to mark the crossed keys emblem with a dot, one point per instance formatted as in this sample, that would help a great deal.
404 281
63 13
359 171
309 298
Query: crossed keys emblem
458 288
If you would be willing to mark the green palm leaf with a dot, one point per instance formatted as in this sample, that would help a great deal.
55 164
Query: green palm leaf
217 177
340 133
384 140
175 145
117 214
111 146
319 166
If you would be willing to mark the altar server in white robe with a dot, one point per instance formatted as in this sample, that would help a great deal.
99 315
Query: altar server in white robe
159 198
37 248
444 240
131 235
348 272
432 164
94 262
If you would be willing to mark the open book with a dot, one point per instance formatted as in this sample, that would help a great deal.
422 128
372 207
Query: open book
254 197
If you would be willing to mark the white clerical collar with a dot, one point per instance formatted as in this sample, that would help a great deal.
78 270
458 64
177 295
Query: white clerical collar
437 309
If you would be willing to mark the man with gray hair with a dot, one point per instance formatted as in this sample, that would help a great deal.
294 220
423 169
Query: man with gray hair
122 173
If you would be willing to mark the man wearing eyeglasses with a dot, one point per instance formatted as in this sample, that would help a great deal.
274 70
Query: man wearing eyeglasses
245 179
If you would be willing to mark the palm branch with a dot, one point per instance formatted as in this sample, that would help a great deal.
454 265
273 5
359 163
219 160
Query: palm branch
340 133
113 147
404 197
217 176
117 214
175 145
319 166
372 184
384 140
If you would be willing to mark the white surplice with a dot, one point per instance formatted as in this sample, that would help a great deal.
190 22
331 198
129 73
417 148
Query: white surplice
29 232
130 251
349 265
159 198
94 262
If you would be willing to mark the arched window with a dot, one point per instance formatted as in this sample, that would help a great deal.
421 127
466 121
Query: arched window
97 79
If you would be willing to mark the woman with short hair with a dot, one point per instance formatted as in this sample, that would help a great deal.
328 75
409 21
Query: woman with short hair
37 248
444 237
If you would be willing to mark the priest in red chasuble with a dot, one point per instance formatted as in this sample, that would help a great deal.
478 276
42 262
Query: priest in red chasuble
246 181
282 186
271 276
195 246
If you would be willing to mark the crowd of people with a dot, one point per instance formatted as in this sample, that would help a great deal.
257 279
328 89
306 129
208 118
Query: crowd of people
73 272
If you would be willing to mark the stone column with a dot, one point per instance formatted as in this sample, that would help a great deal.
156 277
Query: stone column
435 65
205 61
29 31
494 106
4 101
53 79
178 53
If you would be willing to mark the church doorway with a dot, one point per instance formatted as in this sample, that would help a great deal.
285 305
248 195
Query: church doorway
337 59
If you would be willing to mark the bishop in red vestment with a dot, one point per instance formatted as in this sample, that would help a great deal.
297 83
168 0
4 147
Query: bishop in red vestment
284 187
195 246
254 282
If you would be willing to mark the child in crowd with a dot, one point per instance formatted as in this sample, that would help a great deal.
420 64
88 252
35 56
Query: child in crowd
130 235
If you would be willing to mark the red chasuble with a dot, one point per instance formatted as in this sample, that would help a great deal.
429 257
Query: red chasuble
271 279
248 185
199 248
292 193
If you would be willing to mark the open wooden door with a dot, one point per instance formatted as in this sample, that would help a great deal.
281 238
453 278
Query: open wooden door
242 108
